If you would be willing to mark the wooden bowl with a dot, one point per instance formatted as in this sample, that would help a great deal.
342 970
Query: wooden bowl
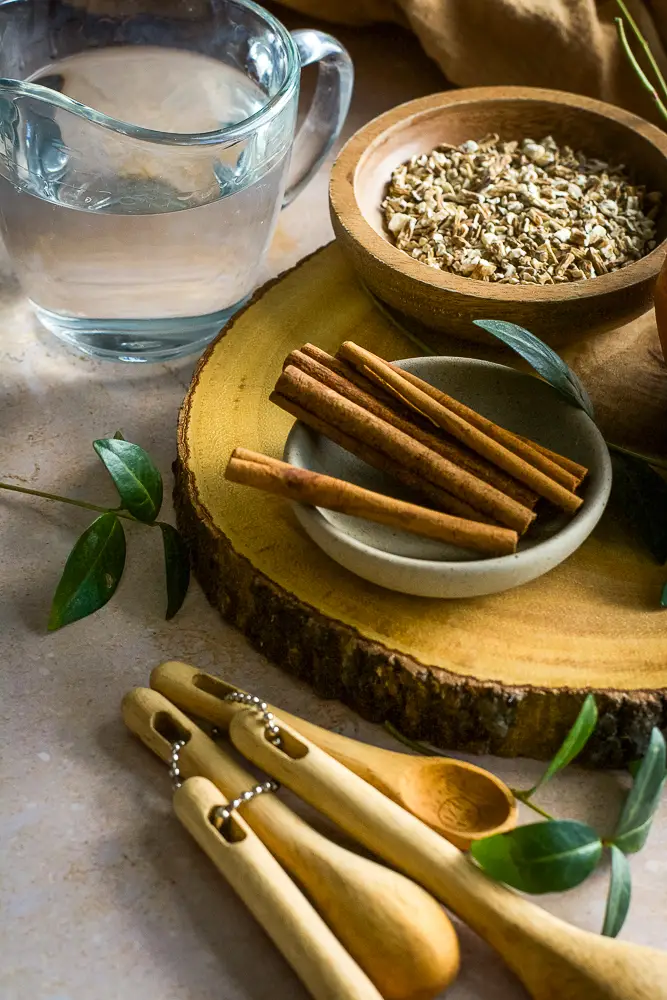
448 302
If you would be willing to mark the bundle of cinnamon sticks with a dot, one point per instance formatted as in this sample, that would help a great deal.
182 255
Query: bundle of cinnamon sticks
478 483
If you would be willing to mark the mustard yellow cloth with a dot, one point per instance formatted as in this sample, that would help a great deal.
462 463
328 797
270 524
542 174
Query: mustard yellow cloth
563 44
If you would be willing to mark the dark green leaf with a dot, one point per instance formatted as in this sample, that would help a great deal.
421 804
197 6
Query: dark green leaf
574 742
635 820
640 496
119 436
663 597
618 897
135 475
546 362
541 857
177 567
91 574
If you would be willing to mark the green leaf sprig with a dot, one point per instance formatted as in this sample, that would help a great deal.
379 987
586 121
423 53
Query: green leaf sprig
659 93
558 854
641 490
95 565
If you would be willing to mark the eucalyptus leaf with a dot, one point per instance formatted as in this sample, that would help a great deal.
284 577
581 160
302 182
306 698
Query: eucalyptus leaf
91 574
618 897
636 816
177 567
545 362
634 765
574 742
640 496
135 476
540 857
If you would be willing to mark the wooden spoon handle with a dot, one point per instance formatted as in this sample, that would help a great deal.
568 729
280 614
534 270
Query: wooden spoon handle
297 930
394 773
554 960
368 906
203 694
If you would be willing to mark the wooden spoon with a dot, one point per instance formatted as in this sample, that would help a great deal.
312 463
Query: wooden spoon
461 801
554 960
293 925
394 930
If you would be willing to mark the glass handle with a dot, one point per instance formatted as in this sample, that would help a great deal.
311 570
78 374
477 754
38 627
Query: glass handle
328 111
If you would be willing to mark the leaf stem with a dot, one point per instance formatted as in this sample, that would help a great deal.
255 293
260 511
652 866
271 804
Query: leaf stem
644 80
394 320
406 741
644 44
527 801
74 503
659 463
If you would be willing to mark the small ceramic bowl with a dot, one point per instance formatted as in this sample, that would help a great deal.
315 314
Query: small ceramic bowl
447 303
414 565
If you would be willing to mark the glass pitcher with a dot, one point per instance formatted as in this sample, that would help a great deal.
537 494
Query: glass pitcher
146 148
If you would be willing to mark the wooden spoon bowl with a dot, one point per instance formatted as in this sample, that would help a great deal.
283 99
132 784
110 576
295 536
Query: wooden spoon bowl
450 795
447 302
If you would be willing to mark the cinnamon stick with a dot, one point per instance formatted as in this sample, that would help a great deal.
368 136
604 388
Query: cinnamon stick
460 428
363 426
439 498
345 370
578 471
330 375
305 486
555 466
334 364
349 372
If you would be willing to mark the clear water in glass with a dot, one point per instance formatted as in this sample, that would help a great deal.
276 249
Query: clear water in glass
125 248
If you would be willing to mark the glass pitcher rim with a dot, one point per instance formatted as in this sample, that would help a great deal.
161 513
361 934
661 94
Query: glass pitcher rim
228 134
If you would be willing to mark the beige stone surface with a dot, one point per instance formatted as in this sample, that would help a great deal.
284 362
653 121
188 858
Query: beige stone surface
103 896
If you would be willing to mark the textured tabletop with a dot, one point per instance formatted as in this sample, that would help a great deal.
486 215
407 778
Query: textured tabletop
103 896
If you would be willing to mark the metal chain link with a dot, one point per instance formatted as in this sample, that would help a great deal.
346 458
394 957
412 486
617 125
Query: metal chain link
223 814
174 769
272 730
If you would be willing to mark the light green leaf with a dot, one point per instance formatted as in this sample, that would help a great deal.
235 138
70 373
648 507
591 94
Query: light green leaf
540 857
177 567
618 897
546 362
635 820
91 574
574 742
135 476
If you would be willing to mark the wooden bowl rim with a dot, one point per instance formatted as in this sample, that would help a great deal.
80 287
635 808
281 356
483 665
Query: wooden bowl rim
343 201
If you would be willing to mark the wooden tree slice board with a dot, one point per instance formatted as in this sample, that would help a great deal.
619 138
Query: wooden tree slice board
503 674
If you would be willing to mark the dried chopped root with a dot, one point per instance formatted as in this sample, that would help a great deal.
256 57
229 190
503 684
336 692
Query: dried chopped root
515 212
